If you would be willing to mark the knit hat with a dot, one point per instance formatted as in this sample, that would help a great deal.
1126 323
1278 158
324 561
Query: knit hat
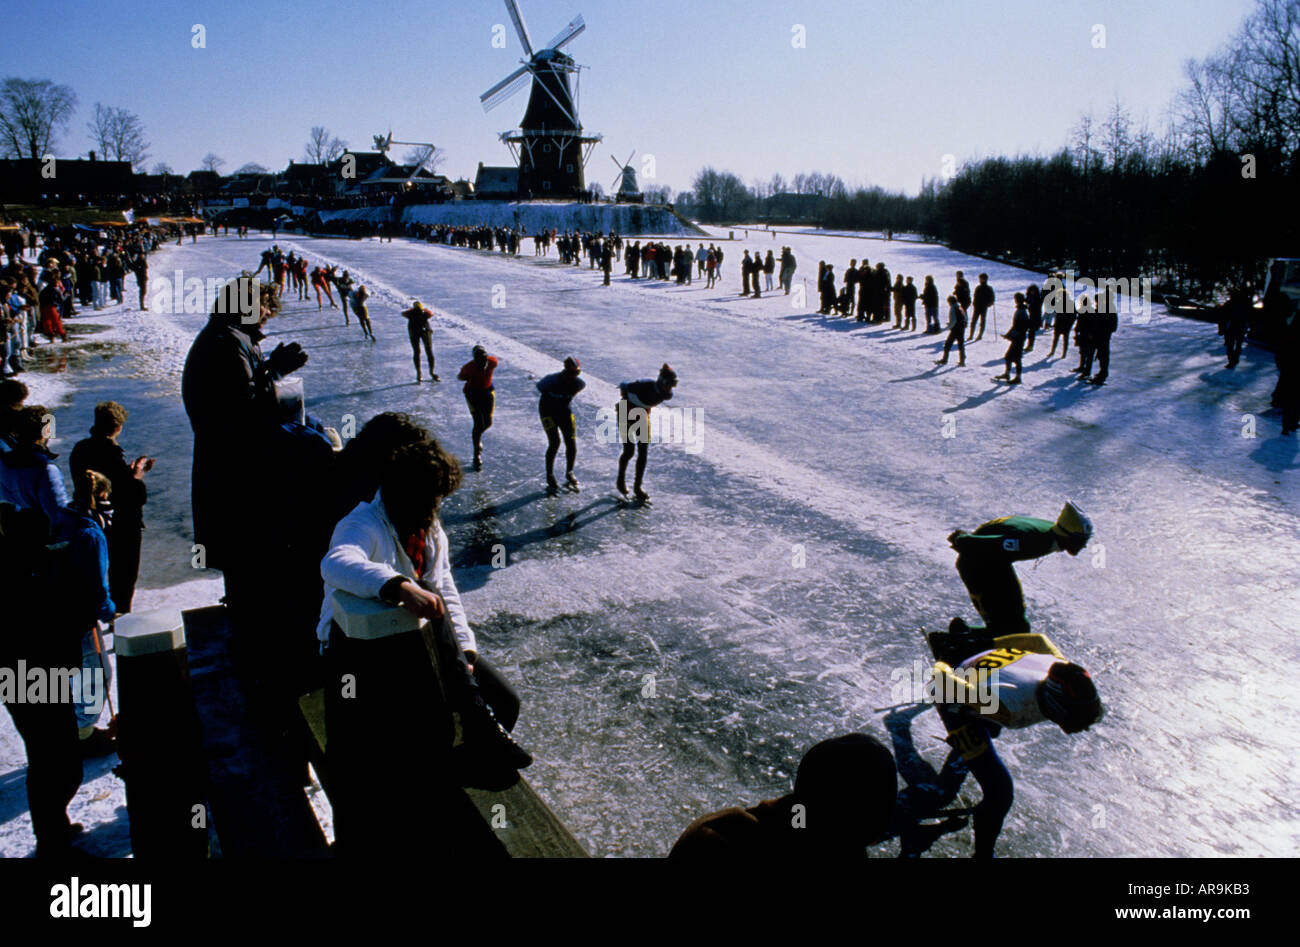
1072 522
571 364
667 375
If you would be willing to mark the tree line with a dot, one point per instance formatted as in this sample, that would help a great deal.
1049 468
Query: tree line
1199 206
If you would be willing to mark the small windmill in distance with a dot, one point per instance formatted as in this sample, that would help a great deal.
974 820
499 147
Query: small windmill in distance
626 191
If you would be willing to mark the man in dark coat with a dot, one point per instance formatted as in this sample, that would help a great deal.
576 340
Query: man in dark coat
248 449
101 452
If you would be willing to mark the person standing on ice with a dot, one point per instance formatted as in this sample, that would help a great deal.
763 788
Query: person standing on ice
985 557
930 300
480 396
788 266
556 410
982 302
1016 336
956 332
961 289
827 289
420 333
636 400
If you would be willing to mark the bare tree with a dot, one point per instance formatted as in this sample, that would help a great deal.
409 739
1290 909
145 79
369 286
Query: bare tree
119 135
212 162
427 157
1084 146
1117 134
322 148
658 194
31 112
162 167
252 167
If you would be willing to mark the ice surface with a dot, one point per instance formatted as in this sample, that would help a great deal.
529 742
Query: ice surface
678 659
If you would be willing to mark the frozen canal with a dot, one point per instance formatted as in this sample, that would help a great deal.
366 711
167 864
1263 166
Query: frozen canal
680 659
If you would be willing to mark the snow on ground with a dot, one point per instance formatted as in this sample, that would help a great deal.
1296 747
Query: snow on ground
678 659
533 216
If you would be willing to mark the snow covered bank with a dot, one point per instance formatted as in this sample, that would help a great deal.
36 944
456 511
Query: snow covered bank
533 216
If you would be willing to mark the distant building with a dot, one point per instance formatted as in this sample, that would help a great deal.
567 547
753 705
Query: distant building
65 180
496 183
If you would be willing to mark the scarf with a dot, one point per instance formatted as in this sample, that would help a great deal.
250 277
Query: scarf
416 550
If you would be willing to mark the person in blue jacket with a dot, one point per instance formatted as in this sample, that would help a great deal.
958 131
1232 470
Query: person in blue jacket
29 476
86 598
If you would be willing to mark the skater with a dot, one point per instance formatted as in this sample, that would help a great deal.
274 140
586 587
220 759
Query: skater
1016 336
1031 682
956 332
420 333
985 557
982 301
344 285
363 314
636 398
480 396
555 407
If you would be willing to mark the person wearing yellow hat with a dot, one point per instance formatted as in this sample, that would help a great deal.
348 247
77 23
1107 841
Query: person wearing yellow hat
985 557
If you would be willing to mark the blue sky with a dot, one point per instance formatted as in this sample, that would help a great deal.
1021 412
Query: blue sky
879 94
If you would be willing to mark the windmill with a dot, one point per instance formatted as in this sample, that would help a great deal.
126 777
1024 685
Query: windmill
624 182
548 145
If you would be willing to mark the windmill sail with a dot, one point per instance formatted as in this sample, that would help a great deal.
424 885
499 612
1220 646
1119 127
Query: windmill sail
576 26
517 17
505 88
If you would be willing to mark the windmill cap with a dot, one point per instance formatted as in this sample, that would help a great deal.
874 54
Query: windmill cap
1072 522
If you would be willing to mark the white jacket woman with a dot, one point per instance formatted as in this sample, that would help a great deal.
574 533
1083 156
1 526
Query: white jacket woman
366 553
